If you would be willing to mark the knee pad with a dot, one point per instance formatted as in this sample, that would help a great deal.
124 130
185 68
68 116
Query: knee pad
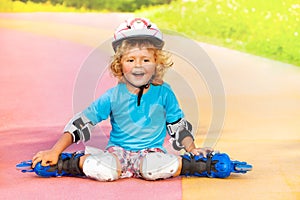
102 167
159 166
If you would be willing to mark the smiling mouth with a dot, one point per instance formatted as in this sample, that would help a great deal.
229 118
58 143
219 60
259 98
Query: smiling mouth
138 74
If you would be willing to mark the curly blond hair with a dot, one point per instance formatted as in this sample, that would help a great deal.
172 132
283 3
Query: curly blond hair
162 58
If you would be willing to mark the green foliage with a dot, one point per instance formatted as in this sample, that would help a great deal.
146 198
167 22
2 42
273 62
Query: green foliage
108 5
38 1
29 6
267 28
57 2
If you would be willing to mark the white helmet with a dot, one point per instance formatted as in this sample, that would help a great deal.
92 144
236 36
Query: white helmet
138 28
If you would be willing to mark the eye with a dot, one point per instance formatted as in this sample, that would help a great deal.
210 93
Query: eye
146 60
130 60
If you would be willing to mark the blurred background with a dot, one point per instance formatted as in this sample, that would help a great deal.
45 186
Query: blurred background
47 51
268 28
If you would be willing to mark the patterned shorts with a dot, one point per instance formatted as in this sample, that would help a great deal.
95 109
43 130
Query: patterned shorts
130 160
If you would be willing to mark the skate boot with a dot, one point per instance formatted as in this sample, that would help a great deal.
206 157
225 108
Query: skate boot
67 165
215 165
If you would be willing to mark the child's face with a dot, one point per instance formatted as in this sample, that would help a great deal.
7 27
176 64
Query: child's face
138 66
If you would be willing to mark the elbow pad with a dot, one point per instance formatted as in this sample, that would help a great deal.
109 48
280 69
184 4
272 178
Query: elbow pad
178 131
80 128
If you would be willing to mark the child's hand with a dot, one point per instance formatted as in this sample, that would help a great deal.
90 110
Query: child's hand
48 157
201 151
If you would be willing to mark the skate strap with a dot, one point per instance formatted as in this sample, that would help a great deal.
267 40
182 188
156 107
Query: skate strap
60 165
67 164
197 165
192 168
209 162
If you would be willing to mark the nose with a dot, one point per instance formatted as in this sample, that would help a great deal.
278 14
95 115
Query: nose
138 63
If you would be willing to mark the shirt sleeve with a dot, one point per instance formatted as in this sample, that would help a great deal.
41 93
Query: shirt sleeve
173 110
100 109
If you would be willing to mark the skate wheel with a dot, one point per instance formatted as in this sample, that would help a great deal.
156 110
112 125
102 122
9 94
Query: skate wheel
243 168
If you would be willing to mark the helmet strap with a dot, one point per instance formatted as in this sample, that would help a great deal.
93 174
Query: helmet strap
140 94
141 89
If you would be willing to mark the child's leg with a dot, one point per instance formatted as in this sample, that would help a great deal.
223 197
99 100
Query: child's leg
158 165
161 166
102 167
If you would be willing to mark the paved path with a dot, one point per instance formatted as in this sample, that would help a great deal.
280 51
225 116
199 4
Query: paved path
41 55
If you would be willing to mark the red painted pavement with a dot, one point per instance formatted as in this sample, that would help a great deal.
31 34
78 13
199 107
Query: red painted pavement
37 78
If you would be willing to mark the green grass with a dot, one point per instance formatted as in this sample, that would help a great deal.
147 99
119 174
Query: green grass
18 6
269 28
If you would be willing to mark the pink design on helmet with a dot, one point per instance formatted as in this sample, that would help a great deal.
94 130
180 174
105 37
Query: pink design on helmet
138 28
